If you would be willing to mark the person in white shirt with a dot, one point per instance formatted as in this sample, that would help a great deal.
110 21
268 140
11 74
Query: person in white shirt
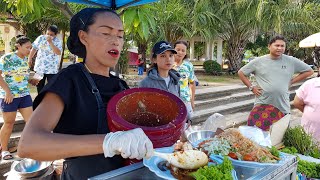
49 48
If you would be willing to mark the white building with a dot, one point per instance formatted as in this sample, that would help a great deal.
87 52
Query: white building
211 47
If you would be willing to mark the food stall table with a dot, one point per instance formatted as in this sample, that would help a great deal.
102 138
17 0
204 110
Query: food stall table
134 171
286 171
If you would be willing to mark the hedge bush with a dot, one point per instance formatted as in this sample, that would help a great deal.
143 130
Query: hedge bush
212 67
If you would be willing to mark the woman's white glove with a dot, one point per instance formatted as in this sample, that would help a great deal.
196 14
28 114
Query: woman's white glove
133 144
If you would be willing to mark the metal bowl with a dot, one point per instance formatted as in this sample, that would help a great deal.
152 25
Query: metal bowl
29 168
198 136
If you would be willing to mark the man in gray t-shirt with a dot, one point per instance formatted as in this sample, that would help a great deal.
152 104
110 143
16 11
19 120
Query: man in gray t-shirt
273 73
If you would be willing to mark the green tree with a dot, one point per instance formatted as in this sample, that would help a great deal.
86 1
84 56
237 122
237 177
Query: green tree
35 16
173 20
139 23
236 21
260 46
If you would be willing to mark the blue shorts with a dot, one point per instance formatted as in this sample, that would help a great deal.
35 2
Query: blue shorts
16 104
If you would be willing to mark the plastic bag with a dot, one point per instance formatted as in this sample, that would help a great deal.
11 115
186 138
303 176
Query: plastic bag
257 135
213 122
278 129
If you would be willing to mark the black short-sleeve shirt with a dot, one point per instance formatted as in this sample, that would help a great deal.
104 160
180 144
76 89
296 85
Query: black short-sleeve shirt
80 114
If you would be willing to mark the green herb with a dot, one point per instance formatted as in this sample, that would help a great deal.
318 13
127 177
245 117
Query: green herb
263 159
219 172
302 141
315 152
289 150
310 169
274 151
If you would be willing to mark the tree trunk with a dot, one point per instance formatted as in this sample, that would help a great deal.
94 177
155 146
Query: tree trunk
235 52
63 48
142 49
64 8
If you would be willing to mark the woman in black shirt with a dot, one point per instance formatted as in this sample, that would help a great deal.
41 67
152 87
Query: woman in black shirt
72 105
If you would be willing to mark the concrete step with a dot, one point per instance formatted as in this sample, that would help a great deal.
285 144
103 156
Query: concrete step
13 144
232 98
229 120
211 97
18 124
213 92
205 98
240 118
201 115
219 91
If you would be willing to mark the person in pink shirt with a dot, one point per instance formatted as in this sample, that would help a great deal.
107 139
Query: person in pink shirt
307 100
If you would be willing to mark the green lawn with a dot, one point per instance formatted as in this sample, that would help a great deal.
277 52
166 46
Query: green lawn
197 63
203 78
227 79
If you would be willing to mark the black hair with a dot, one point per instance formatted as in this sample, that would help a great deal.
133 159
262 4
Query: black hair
184 43
153 65
277 37
53 28
81 21
20 40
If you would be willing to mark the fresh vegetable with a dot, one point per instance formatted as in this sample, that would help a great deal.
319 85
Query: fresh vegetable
315 152
231 140
218 146
310 169
289 150
297 137
219 172
274 151
248 157
233 155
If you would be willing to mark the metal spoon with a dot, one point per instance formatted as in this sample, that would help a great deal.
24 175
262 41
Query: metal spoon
189 159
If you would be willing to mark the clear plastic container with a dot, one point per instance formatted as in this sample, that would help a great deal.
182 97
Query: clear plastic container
247 169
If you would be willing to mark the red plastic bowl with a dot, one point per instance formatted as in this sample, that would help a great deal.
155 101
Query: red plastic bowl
162 119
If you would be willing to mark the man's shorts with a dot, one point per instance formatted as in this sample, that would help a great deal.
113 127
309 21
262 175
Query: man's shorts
16 104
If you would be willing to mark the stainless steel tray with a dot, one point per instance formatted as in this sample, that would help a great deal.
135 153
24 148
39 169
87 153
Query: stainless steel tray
135 171
138 171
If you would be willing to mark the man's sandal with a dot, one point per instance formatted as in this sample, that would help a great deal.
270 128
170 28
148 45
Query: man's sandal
6 155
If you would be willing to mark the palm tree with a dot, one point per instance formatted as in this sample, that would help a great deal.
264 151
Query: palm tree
139 23
173 20
237 21
35 16
202 20
287 17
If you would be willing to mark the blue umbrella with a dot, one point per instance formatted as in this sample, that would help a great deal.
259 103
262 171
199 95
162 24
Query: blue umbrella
113 4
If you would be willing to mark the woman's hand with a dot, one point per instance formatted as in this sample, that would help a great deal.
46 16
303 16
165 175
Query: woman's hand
133 144
8 97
